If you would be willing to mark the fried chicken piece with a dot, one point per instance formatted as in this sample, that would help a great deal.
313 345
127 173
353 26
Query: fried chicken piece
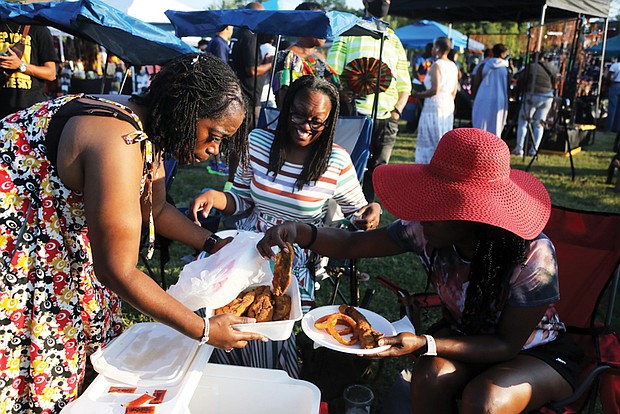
227 308
282 308
367 336
262 309
282 271
239 305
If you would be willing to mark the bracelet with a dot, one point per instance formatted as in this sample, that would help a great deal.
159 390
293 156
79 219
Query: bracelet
210 243
397 111
312 238
205 332
431 346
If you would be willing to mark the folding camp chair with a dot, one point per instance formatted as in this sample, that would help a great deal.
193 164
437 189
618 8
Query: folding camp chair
587 248
354 134
588 253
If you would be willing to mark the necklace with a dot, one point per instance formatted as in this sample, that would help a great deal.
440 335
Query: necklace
8 26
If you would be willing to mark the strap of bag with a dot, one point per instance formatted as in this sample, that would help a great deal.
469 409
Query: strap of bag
20 51
546 70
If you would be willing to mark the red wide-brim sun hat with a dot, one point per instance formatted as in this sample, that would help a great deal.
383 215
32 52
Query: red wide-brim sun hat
469 178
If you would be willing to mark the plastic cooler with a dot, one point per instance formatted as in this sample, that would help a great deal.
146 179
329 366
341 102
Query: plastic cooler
151 356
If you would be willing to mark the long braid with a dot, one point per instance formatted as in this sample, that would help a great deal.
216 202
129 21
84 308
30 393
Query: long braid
321 149
190 88
496 253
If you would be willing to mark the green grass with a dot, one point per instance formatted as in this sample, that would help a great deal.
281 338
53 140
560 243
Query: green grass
587 191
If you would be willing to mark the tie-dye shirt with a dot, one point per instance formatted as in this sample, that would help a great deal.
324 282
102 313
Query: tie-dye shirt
534 283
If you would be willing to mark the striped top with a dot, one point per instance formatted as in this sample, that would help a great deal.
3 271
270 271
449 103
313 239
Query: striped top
347 48
274 200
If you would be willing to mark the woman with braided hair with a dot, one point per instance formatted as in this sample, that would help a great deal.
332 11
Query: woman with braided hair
292 173
477 226
79 176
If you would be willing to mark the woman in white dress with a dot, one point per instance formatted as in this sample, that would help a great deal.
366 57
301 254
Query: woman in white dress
437 116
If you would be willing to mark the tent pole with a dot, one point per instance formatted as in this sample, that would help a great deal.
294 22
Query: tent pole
542 23
375 103
105 71
600 79
273 68
127 70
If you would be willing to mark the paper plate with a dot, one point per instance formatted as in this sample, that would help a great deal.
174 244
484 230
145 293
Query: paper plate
321 337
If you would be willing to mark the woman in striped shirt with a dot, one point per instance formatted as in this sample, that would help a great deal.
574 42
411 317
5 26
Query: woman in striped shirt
293 172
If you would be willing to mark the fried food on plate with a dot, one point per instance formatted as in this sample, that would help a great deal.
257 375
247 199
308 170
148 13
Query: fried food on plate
262 309
282 271
367 336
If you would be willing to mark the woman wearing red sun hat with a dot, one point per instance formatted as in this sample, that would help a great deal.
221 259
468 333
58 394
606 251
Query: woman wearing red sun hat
477 226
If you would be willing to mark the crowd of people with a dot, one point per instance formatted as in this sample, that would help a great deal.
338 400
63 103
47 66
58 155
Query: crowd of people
82 179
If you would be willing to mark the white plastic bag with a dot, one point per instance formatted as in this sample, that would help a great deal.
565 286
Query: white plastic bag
216 280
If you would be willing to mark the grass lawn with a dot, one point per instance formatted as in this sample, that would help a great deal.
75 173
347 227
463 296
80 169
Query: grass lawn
587 191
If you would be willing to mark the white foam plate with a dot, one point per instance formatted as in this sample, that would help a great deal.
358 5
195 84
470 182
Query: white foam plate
321 337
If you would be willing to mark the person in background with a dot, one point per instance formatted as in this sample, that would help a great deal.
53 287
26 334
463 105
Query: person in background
267 51
30 72
453 55
293 172
437 116
250 70
202 45
392 101
218 45
613 114
303 58
420 64
79 178
486 55
536 83
477 225
491 84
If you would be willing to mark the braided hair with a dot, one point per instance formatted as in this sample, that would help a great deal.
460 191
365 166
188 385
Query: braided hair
187 89
496 253
316 164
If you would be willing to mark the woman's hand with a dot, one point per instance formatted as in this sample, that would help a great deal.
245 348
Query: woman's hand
277 236
367 217
403 344
223 335
204 202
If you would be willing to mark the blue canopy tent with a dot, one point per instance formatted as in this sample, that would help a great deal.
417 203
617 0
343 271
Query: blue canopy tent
319 24
612 47
323 25
132 40
417 35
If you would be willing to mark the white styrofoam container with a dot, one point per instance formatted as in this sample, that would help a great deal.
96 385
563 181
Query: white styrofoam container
227 389
278 330
149 356
142 355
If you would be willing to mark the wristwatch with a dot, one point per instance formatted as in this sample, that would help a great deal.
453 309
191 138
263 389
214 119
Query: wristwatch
210 243
22 66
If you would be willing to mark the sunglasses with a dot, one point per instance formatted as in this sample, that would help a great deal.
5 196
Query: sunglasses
315 125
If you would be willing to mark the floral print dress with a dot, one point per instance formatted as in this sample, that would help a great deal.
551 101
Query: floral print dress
53 310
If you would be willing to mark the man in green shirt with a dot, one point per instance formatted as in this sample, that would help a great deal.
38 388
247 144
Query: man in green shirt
392 101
